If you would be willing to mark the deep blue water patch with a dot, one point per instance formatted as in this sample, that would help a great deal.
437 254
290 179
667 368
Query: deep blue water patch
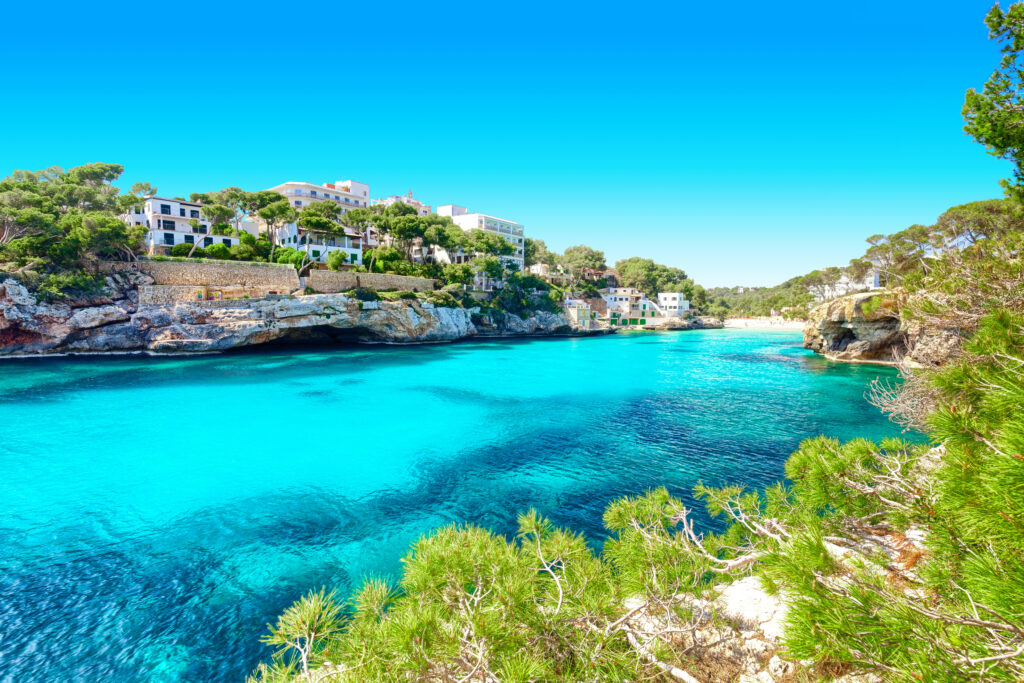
157 513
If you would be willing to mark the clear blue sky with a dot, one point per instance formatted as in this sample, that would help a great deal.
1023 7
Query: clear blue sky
744 143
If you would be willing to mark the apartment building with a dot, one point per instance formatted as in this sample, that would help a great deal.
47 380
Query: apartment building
170 222
347 194
510 230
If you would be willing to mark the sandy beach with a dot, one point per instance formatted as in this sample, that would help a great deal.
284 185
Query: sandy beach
765 323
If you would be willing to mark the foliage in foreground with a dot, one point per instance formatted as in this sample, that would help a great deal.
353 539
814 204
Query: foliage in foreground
472 605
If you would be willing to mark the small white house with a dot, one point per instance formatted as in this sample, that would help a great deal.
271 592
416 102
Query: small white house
580 313
629 306
846 285
673 304
169 222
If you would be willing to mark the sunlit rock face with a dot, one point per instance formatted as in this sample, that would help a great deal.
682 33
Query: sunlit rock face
118 322
868 327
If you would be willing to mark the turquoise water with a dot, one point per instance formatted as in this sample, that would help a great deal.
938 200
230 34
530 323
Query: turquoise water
156 513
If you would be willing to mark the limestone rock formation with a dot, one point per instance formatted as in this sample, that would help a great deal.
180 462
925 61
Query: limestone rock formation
867 326
118 322
863 326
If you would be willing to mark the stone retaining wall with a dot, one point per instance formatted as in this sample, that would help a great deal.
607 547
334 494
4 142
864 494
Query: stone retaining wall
332 282
276 280
171 294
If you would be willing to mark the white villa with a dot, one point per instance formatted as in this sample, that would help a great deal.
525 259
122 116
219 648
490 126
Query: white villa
845 285
168 223
549 273
629 306
673 304
510 230
348 194
421 208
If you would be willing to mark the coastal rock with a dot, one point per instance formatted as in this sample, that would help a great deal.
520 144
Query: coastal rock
117 322
695 323
747 604
867 326
863 326
87 318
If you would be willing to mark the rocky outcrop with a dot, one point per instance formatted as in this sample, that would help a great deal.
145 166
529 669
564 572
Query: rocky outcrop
118 322
705 322
540 323
867 326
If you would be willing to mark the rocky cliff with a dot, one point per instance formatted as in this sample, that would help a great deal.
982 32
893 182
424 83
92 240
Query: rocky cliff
867 326
118 322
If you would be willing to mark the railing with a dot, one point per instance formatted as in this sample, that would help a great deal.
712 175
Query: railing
324 194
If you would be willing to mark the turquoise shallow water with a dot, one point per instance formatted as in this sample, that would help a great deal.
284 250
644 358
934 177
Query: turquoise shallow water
156 513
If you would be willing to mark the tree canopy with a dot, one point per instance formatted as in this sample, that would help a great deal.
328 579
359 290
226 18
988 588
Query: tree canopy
56 225
651 278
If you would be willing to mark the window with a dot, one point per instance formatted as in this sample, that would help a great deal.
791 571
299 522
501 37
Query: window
169 238
165 209
312 193
181 212
193 214
316 254
201 229
208 242
167 225
226 242
298 203
189 239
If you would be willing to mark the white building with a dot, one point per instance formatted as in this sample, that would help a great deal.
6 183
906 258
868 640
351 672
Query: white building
550 273
421 208
629 306
580 313
673 304
347 194
845 285
169 223
510 230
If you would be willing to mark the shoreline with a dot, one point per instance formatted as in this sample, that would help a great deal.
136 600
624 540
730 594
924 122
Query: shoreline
763 324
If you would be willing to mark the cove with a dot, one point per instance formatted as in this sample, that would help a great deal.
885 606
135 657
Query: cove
156 513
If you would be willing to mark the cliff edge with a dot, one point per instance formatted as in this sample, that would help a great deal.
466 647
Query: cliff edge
118 322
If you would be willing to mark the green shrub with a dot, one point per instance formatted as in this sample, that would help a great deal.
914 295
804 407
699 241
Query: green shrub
69 283
443 299
219 251
243 252
184 248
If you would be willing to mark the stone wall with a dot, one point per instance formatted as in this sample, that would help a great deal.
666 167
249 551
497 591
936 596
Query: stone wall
279 280
331 282
172 294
